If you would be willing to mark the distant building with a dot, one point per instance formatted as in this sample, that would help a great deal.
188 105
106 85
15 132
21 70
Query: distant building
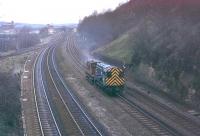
51 29
8 25
34 32
75 30
7 28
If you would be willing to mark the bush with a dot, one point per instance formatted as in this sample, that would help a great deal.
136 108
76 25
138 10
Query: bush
10 108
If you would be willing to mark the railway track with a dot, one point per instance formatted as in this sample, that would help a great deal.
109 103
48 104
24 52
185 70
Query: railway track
184 123
30 105
83 121
48 124
174 122
159 127
75 54
70 125
47 105
29 112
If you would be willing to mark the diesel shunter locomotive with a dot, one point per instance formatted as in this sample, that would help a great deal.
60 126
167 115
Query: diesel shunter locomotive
109 78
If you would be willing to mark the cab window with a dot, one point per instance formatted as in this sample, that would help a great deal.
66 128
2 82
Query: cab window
98 72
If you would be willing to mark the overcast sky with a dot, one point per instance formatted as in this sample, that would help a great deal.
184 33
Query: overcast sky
52 11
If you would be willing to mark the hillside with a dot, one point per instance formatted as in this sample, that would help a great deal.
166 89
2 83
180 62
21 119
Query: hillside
153 34
119 49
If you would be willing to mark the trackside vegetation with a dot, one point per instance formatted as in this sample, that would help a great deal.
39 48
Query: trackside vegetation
10 107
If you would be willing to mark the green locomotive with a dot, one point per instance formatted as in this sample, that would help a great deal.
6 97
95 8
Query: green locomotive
109 78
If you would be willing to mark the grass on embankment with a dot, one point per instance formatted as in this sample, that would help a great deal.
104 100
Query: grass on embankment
120 49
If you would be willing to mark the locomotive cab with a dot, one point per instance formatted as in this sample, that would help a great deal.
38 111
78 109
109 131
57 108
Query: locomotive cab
91 71
107 77
91 67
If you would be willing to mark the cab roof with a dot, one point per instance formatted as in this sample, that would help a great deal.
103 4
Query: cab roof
105 66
